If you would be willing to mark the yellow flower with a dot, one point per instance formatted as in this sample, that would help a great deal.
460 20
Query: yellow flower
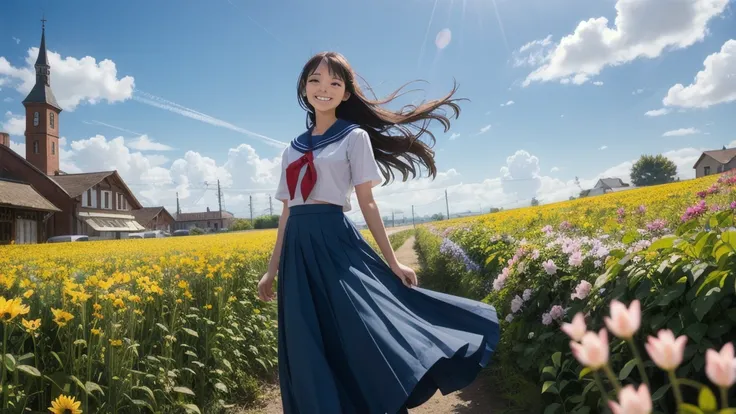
208 306
31 325
64 404
61 317
116 342
96 331
28 293
9 309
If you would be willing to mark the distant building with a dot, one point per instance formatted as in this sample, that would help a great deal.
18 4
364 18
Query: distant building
155 218
23 213
715 162
606 185
208 220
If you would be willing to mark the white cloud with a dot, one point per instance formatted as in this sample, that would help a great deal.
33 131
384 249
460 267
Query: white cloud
554 169
74 81
520 175
8 99
144 143
732 144
14 124
603 147
533 53
635 34
509 103
713 85
598 83
657 112
681 132
454 136
16 40
484 129
637 92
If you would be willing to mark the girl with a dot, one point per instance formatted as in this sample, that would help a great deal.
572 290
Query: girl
356 334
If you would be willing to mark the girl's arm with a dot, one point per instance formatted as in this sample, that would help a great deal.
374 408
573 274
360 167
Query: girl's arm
373 219
273 265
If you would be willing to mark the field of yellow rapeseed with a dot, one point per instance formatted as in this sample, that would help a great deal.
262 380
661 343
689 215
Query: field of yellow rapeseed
170 325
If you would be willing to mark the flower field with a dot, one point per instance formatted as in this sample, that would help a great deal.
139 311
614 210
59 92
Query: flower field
149 325
671 247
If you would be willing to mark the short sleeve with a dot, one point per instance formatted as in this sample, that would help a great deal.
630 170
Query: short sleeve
363 166
282 191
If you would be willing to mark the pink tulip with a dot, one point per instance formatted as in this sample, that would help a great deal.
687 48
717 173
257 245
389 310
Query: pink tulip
624 322
592 351
721 367
665 350
576 329
631 401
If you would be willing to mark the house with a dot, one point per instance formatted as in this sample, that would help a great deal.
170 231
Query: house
208 220
23 213
97 204
606 185
715 162
155 218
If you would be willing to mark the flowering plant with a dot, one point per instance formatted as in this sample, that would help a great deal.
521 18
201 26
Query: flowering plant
591 349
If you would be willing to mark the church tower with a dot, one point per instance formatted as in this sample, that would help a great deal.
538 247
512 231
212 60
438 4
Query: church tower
42 116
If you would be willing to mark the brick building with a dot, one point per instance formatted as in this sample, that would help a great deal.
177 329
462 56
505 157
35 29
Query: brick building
23 213
97 204
207 220
155 218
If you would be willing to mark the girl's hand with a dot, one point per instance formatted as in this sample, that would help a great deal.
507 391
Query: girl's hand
265 287
406 274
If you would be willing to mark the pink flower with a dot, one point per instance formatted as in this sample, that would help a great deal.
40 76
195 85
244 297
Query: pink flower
576 259
592 351
624 322
557 312
721 366
576 329
527 294
550 267
631 401
665 350
546 319
516 303
582 290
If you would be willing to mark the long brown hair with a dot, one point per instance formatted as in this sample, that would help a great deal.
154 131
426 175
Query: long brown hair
394 135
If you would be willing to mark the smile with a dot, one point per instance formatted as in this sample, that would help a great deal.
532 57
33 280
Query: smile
322 98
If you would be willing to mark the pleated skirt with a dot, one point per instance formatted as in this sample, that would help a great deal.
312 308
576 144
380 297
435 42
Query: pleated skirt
353 338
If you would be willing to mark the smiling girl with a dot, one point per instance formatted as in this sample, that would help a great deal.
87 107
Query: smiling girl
356 333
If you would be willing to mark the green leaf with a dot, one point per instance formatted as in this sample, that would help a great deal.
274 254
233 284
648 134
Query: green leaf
191 332
183 390
191 408
91 386
551 371
32 371
549 386
556 357
626 370
9 361
690 409
583 372
660 392
718 328
671 293
163 327
729 237
665 242
706 400
147 390
696 331
552 408
714 275
703 303
731 313
220 386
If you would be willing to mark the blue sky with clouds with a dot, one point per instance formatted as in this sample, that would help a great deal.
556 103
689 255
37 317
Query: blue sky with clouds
176 95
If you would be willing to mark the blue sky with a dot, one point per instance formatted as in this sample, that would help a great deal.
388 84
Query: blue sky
205 82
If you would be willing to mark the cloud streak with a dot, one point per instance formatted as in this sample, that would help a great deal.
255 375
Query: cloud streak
161 103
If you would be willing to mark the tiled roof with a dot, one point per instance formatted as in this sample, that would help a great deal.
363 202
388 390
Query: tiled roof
205 215
146 214
22 195
76 184
723 156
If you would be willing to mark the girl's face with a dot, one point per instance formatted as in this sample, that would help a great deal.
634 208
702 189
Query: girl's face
325 90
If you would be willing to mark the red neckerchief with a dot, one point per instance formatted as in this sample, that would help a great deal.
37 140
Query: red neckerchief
310 176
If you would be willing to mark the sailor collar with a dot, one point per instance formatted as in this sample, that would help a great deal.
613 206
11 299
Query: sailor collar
308 142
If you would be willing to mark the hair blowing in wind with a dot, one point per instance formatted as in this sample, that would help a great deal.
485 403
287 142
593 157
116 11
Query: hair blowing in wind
394 134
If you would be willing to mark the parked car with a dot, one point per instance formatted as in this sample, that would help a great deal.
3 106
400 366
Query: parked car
181 232
68 238
153 234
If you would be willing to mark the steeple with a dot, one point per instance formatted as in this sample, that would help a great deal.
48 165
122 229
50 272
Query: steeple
41 92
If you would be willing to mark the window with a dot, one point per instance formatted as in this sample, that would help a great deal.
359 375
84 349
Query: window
35 119
51 119
35 147
706 170
89 198
53 148
106 199
122 202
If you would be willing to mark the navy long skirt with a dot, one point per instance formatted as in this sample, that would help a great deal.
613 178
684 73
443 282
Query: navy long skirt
353 338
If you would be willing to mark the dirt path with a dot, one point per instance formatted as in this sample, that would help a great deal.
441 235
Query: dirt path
474 399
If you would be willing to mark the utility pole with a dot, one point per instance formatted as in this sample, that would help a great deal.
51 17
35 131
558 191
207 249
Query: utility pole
393 220
250 204
178 209
270 206
412 216
219 197
447 203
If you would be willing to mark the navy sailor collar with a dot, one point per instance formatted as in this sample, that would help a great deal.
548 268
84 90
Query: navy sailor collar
308 142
